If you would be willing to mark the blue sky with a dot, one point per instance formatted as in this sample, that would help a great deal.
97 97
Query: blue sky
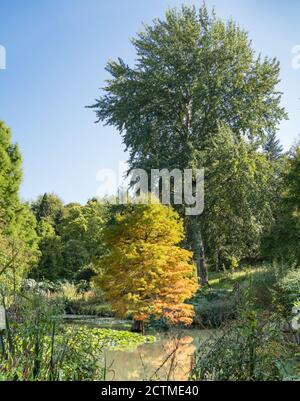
56 54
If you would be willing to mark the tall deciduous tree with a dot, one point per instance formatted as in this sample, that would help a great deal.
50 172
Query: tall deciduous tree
70 237
145 272
193 73
238 199
283 240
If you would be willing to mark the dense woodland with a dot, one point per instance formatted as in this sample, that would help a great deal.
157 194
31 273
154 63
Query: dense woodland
198 96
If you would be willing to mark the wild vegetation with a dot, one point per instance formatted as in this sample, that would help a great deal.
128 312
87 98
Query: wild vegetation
198 96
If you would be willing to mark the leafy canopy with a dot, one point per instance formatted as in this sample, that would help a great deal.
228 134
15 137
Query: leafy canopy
193 73
18 240
145 272
282 241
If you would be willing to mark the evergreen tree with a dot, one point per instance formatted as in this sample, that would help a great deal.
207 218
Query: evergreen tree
50 207
272 147
18 240
10 177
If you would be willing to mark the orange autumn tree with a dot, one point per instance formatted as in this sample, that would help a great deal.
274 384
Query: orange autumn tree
145 272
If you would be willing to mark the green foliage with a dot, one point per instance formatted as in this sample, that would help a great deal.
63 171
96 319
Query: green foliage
272 147
76 302
70 237
238 204
262 287
195 76
258 345
35 348
228 279
198 86
283 240
193 72
292 180
48 207
112 339
38 346
89 308
18 240
250 349
214 307
289 288
10 176
51 263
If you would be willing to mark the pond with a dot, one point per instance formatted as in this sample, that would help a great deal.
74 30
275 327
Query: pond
169 358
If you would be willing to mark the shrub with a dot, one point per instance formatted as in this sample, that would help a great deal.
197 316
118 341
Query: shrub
81 307
289 288
248 350
69 291
214 307
79 301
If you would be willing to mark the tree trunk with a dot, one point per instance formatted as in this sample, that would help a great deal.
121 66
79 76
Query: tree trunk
196 244
138 326
217 262
202 270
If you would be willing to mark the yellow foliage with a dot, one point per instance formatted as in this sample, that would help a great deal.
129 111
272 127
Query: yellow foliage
145 272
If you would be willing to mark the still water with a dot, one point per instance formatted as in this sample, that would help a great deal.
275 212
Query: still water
169 358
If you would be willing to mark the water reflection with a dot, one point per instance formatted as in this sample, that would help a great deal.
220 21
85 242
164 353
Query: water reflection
170 358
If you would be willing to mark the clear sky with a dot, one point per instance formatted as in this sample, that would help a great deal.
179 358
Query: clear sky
56 53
